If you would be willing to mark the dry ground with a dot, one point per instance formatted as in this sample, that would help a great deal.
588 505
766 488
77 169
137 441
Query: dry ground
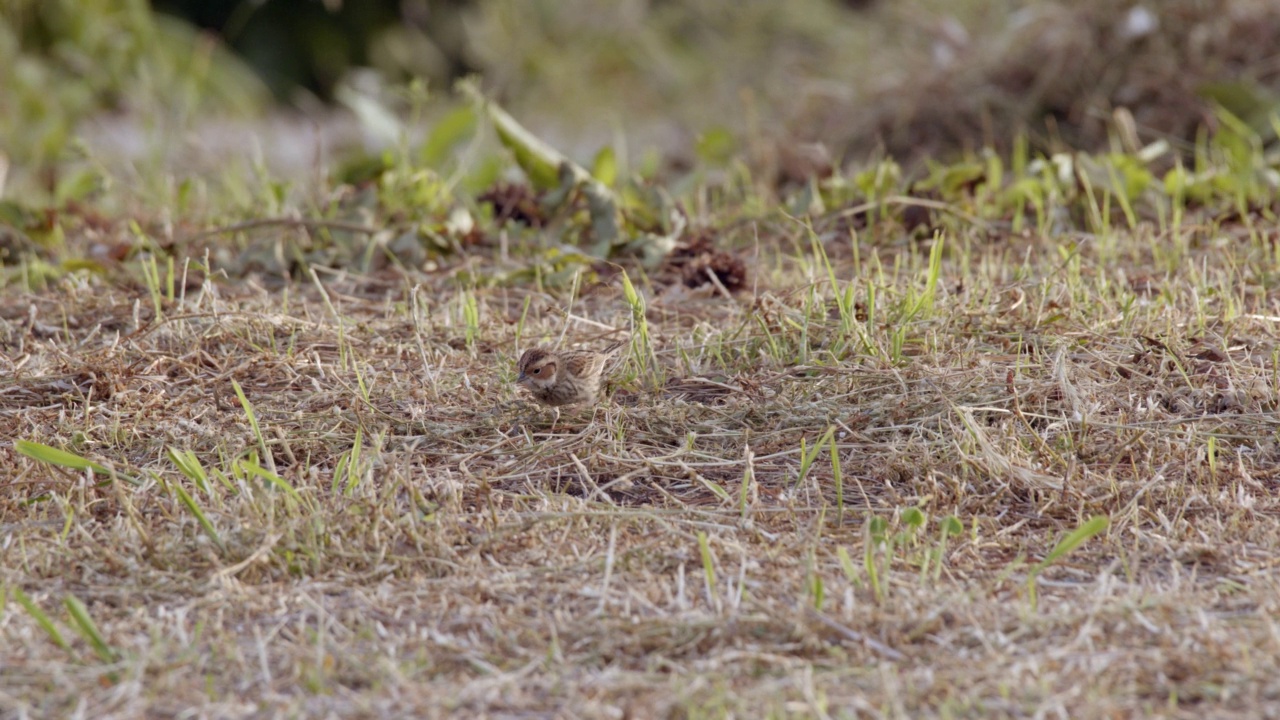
391 531
440 549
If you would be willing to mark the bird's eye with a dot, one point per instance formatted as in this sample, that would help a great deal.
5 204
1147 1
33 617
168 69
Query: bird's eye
536 371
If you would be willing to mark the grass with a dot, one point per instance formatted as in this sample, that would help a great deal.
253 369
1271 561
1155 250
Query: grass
334 518
1021 460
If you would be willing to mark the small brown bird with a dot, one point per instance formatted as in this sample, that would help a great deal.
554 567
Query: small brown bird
556 379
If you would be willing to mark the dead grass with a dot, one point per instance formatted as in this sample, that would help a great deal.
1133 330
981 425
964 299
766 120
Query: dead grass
659 556
978 76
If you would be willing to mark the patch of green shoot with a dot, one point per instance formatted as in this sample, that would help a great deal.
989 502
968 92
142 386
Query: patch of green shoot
747 491
196 511
809 454
251 468
524 316
189 465
344 354
349 466
470 307
846 304
846 564
873 538
642 350
924 303
837 476
363 386
1211 454
1071 541
914 519
708 567
817 589
253 423
949 526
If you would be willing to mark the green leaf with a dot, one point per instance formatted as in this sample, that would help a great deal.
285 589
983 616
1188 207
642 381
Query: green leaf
809 454
879 181
451 130
913 517
549 169
78 186
539 161
1246 100
606 222
837 475
77 264
716 146
952 181
877 526
605 166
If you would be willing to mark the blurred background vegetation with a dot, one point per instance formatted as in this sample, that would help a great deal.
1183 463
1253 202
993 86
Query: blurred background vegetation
141 94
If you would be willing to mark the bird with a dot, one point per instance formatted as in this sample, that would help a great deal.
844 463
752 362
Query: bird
558 379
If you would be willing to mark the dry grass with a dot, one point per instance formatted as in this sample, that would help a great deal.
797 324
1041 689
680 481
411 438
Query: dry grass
660 556
1059 70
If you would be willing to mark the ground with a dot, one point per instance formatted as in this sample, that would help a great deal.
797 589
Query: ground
751 525
988 433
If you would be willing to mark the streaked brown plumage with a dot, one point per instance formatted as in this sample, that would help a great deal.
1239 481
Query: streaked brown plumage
566 378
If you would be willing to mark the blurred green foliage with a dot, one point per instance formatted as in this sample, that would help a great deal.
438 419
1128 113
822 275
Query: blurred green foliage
67 59
311 45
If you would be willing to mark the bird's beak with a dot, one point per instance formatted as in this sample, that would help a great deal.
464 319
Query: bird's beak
520 380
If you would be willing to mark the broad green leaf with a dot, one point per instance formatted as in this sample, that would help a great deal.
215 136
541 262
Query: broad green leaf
913 517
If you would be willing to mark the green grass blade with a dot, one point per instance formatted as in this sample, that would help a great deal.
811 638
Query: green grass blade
89 629
869 562
353 466
951 526
836 475
846 564
272 479
253 423
809 454
201 518
54 456
1074 539
62 458
708 565
190 466
42 619
340 472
